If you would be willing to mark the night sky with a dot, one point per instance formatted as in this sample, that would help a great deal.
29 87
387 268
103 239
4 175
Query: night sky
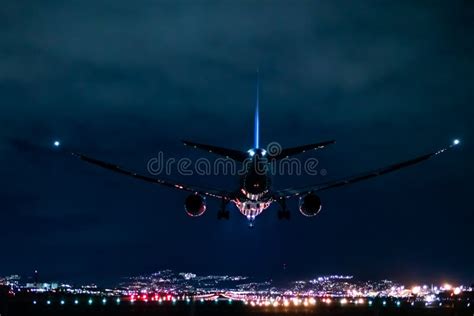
122 81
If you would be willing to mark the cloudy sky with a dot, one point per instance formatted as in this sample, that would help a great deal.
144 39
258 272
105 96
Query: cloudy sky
122 81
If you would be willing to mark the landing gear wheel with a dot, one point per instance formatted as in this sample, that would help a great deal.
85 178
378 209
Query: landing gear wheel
223 213
284 214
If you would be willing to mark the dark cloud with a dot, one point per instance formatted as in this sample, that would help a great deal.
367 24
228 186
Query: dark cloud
122 81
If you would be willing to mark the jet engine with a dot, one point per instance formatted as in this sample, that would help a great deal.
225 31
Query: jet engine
195 205
310 204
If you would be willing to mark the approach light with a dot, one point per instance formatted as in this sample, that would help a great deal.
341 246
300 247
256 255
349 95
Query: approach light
456 142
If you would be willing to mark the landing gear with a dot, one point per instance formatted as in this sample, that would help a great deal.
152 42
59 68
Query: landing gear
251 220
223 213
283 213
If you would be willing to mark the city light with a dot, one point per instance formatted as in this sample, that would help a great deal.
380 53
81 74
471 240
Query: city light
299 294
415 290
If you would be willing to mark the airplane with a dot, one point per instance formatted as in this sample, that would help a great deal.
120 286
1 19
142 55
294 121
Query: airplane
255 193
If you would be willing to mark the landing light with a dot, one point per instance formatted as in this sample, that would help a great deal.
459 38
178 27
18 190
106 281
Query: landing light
251 152
456 142
56 143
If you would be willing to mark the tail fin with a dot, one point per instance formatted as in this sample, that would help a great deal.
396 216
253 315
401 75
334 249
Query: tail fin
257 118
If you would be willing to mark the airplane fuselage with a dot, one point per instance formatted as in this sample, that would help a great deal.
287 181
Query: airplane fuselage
255 186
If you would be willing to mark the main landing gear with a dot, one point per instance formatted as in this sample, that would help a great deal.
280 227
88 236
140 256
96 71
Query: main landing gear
223 213
283 212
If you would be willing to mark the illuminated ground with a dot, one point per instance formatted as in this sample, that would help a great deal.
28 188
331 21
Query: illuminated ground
59 307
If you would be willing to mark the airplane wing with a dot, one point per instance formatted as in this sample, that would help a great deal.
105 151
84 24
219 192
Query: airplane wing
286 152
219 194
292 192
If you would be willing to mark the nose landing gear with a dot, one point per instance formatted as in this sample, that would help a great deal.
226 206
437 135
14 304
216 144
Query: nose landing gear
251 219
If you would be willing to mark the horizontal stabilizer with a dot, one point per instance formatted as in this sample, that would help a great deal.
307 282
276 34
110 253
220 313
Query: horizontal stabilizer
225 152
286 152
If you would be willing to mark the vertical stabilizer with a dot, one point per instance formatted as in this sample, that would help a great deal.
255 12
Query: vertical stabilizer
257 119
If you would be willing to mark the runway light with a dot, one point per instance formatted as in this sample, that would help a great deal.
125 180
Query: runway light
456 142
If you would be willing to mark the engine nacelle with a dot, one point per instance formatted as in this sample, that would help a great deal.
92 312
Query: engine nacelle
310 205
195 205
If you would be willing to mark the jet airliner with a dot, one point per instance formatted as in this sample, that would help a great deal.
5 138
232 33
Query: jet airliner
255 193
